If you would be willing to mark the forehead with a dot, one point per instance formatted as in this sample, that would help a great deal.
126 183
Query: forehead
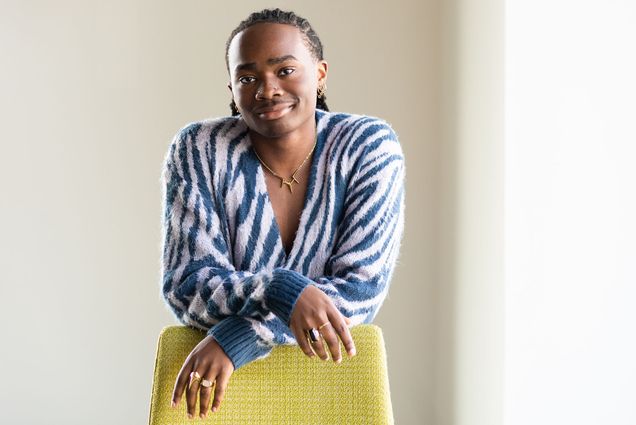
265 41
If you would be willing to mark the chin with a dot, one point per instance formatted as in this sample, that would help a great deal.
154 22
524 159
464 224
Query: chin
277 127
273 129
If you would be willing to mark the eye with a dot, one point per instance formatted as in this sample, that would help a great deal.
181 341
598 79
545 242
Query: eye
246 79
287 71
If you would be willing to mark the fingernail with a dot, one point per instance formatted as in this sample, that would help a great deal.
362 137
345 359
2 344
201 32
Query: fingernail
190 415
202 415
339 361
352 352
214 409
173 404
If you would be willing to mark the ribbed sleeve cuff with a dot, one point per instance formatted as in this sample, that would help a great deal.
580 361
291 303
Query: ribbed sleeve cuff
283 292
238 339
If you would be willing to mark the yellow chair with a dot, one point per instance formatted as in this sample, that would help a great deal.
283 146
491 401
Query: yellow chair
285 388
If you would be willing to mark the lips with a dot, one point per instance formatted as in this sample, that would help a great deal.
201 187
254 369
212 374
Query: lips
275 111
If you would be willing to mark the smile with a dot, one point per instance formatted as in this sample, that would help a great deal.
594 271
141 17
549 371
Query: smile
275 112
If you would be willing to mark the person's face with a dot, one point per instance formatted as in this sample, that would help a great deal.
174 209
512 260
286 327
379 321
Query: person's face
274 78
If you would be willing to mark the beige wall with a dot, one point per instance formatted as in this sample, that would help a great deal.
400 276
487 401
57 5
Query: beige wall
469 290
92 92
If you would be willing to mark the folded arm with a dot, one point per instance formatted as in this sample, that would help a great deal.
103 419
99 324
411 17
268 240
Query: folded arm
359 270
200 283
248 312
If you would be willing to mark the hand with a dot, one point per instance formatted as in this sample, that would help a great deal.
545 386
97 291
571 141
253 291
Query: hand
313 309
211 362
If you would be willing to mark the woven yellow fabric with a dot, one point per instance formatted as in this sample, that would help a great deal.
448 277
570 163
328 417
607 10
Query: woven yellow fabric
285 388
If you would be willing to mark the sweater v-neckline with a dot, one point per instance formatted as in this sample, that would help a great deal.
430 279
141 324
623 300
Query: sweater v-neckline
300 231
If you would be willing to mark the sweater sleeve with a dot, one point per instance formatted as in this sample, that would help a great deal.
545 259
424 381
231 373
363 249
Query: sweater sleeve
359 270
199 282
245 340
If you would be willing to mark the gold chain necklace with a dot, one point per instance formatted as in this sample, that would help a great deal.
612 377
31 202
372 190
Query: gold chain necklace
292 180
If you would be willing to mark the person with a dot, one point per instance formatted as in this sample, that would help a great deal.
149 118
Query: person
282 221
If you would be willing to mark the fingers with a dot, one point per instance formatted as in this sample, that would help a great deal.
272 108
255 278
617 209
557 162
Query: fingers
319 348
206 364
331 338
334 330
206 392
342 329
181 382
220 381
219 391
191 394
303 342
315 310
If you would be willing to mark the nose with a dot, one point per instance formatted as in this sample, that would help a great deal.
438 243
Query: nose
267 90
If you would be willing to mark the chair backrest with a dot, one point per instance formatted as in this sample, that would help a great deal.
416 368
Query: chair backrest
285 388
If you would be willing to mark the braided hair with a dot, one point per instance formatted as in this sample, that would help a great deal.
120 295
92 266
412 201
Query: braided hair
277 16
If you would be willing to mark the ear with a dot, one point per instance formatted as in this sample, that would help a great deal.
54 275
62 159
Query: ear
322 67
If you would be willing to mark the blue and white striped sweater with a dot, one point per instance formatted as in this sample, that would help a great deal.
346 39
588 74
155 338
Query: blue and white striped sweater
224 266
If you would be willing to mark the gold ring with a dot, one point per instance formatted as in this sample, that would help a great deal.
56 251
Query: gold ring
323 325
194 377
207 384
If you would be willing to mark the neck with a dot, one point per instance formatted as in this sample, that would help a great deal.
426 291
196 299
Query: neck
285 153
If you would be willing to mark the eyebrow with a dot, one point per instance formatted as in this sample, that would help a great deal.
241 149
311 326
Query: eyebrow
270 61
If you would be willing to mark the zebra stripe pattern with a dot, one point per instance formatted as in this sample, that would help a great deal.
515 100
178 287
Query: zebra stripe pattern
224 267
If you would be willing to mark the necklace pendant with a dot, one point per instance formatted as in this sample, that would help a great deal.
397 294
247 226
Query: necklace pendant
288 183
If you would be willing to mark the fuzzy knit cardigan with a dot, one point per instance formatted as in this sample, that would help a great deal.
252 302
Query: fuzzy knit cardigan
224 268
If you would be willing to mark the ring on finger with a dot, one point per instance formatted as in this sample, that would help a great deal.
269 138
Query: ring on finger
194 377
314 335
206 383
323 325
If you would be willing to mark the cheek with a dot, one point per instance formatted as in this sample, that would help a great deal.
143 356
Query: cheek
307 87
240 96
243 95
